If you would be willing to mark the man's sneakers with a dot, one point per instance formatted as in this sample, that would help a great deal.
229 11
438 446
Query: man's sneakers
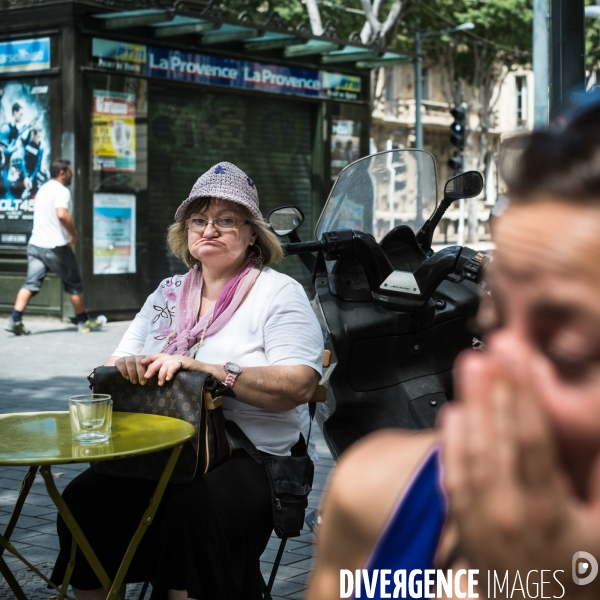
92 324
16 327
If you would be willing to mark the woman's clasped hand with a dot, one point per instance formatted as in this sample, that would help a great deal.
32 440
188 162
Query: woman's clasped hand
138 369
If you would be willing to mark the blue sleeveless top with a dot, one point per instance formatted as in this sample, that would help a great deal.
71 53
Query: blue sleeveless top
410 539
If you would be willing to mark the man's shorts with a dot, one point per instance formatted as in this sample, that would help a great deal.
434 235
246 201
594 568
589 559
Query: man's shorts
59 260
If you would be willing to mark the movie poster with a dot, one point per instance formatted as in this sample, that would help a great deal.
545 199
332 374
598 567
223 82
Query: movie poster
345 144
114 234
113 143
24 154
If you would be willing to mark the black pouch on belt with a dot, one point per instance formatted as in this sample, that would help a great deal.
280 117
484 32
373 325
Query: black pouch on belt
290 480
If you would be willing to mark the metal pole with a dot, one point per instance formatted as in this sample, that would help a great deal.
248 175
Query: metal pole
567 56
461 222
418 92
391 187
540 64
71 146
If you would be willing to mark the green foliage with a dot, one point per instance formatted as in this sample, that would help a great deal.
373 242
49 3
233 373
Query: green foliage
504 26
503 32
293 12
592 41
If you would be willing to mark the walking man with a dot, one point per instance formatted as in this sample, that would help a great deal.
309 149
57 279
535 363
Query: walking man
49 249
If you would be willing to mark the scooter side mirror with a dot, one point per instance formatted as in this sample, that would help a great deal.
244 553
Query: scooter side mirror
465 185
285 219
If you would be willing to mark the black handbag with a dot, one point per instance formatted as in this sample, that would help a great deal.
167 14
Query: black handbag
290 480
188 396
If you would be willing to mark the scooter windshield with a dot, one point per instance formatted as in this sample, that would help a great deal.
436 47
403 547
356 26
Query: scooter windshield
380 192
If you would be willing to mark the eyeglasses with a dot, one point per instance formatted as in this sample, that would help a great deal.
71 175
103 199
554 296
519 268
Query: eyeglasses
220 224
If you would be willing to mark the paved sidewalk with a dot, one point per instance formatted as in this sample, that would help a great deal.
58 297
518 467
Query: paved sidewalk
39 372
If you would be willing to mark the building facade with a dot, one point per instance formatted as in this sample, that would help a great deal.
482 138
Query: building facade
143 98
393 120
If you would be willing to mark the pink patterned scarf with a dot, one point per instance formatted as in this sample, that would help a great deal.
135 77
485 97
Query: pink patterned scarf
187 326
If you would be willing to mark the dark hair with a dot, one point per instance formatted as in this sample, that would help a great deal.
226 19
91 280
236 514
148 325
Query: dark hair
561 163
58 165
16 107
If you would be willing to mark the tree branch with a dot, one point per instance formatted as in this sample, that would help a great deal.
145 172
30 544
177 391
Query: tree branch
314 16
392 17
376 6
365 33
373 26
371 16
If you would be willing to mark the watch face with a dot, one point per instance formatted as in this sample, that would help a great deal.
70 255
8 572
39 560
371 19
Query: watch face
233 368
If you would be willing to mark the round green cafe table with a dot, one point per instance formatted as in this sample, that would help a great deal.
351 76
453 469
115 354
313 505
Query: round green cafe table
42 439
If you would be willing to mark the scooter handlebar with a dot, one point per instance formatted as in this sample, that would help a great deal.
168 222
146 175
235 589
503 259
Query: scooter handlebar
301 247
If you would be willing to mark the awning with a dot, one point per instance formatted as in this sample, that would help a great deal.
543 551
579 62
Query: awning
208 26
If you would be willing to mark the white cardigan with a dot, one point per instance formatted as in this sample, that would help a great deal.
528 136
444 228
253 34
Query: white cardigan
275 325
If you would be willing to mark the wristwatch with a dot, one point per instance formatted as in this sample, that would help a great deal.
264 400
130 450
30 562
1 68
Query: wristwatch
232 371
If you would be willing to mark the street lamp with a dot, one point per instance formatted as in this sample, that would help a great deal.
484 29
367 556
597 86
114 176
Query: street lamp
419 75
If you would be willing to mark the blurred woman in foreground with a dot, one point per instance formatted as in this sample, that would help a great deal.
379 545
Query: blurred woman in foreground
512 480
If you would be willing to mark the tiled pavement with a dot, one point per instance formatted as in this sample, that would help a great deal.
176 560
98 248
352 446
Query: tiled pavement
39 372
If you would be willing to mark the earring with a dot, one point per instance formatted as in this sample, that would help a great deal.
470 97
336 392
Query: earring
257 257
193 262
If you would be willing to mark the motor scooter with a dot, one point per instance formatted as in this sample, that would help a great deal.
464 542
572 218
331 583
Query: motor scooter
395 313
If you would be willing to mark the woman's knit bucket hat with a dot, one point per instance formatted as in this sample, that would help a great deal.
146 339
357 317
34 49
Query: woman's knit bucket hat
228 182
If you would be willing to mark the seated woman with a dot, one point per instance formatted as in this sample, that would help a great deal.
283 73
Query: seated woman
516 484
247 325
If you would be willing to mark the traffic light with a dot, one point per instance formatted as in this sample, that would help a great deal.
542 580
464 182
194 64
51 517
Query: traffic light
458 127
456 162
457 139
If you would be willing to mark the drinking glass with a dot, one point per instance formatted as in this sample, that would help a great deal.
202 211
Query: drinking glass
91 417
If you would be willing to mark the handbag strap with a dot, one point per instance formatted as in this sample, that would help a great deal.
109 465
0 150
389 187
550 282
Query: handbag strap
312 409
242 439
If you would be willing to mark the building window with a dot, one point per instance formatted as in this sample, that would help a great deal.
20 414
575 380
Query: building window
425 84
522 100
391 94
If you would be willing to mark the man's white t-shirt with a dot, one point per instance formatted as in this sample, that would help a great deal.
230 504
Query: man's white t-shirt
275 325
47 230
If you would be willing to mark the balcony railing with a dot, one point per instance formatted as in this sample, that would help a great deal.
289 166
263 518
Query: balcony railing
402 110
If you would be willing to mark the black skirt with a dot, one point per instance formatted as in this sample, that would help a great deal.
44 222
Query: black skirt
207 536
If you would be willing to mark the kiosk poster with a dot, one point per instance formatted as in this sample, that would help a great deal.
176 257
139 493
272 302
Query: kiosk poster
120 56
113 145
24 155
345 144
341 87
25 55
114 234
